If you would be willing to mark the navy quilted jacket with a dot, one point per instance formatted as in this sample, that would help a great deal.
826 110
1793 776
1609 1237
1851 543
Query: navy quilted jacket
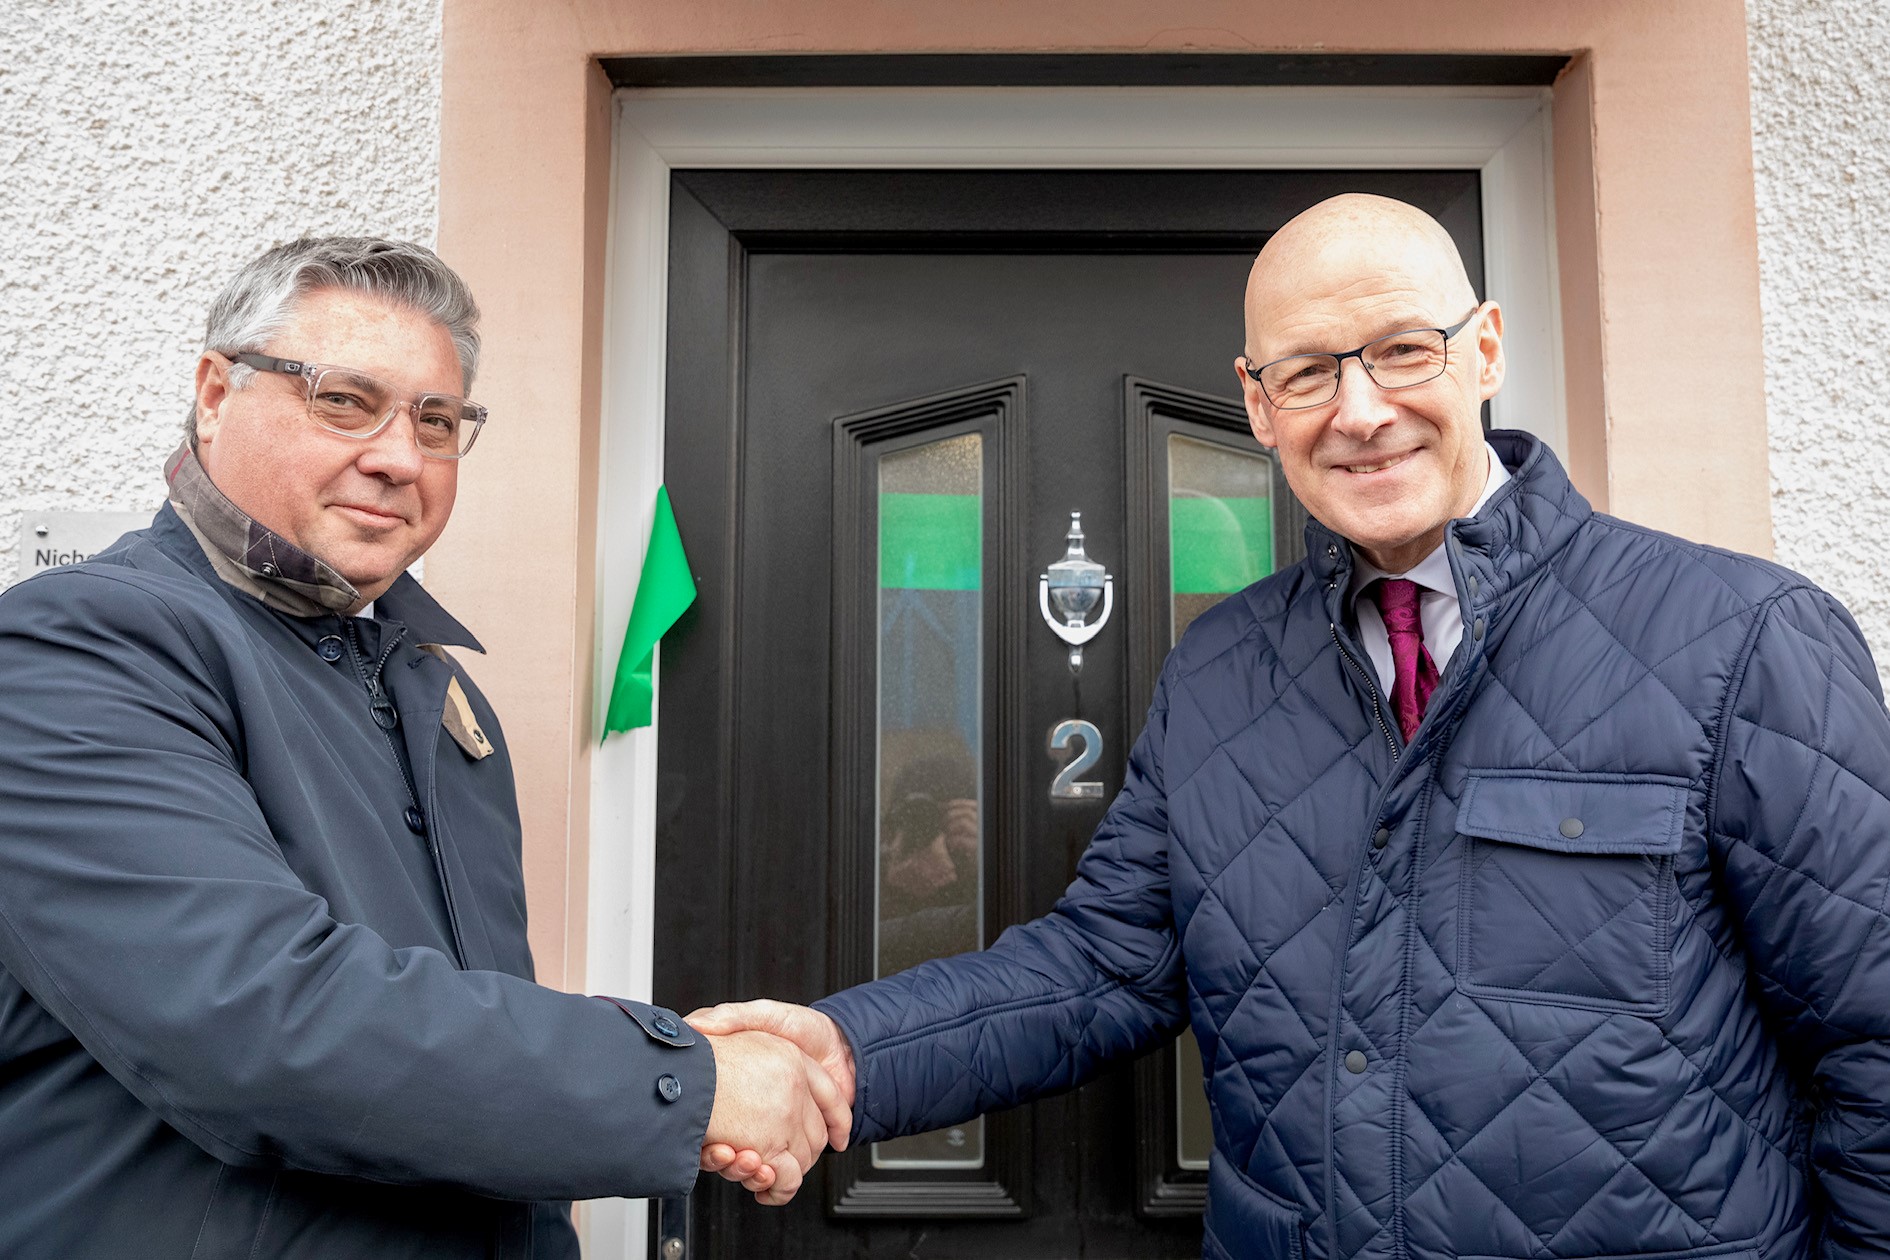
1597 965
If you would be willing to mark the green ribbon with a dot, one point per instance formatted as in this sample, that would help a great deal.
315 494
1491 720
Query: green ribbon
665 590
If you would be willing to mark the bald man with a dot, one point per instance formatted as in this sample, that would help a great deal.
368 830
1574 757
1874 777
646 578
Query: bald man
1522 872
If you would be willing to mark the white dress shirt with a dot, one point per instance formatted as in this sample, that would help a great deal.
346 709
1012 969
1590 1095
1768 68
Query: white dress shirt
1437 595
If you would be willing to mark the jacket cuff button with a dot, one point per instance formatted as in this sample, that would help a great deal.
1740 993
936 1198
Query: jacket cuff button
668 1087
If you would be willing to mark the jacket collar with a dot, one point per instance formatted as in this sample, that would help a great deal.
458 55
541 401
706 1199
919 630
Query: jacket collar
1519 530
268 567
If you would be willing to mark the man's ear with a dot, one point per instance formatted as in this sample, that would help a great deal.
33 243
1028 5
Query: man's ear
1490 362
1256 400
213 389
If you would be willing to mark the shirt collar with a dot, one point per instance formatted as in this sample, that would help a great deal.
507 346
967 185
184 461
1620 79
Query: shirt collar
1433 571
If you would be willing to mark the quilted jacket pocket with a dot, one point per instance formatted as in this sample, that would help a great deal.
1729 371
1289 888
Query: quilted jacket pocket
1567 892
1244 1221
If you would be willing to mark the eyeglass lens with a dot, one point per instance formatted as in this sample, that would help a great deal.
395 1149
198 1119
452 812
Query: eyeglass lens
359 405
1401 359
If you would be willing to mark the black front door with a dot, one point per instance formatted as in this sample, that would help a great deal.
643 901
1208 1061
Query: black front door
888 395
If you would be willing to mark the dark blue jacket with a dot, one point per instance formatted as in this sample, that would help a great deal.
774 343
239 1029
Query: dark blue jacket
1597 965
257 997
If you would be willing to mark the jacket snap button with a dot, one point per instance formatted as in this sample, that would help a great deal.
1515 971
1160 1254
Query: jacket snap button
669 1087
1381 838
416 821
1473 585
1476 631
1572 827
1355 1062
329 648
666 1025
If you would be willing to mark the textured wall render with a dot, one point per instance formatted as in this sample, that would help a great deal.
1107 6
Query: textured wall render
1821 149
149 148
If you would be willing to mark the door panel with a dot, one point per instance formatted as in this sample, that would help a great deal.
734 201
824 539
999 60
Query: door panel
923 489
888 392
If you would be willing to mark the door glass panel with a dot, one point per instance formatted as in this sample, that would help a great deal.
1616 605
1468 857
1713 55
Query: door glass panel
1220 514
930 814
1194 1125
1220 540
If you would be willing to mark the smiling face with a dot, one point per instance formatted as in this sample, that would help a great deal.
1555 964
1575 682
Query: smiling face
367 508
1386 469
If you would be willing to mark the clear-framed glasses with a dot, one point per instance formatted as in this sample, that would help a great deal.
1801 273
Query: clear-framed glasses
359 405
1395 361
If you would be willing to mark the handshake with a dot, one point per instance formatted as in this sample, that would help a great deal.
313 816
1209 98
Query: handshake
783 1092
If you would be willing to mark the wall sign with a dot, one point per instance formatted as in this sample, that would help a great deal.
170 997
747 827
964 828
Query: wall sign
50 539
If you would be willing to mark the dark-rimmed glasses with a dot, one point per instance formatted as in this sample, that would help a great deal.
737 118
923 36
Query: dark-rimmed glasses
1395 361
358 405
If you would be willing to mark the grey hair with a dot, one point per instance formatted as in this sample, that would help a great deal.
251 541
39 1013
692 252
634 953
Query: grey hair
261 298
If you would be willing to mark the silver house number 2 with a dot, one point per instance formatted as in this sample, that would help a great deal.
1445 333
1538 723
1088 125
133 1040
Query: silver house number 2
1067 786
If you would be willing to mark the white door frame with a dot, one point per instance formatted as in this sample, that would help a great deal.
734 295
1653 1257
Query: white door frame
1503 133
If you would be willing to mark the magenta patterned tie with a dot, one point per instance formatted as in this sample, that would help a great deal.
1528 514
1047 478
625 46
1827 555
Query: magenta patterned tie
1415 674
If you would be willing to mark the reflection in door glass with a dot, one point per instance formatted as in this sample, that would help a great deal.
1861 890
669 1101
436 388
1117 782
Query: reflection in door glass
930 827
1220 524
1220 540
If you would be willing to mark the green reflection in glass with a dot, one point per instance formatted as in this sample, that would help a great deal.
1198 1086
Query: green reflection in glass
1220 545
929 542
930 831
1220 524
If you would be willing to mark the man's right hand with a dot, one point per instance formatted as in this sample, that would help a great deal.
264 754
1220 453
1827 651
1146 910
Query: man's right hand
820 1040
772 1103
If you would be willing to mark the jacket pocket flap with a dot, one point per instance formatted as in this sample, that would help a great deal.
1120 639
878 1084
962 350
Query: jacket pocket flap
1622 814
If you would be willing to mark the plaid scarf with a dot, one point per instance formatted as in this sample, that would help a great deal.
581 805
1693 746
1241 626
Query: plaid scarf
253 559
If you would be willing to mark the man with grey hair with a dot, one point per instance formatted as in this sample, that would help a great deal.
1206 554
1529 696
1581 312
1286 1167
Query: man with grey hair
265 988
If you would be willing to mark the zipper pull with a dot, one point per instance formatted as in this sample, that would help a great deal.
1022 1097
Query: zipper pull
385 715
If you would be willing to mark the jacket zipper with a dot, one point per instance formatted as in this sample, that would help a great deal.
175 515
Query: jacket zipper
1371 688
1351 901
381 703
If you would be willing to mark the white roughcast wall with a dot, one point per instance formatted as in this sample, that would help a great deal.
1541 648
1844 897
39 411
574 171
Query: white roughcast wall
151 146
148 148
1821 149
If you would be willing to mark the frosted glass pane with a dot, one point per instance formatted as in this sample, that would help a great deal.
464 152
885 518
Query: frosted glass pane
1220 524
1194 1126
930 811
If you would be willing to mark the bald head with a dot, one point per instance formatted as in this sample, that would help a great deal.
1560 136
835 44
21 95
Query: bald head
1353 246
